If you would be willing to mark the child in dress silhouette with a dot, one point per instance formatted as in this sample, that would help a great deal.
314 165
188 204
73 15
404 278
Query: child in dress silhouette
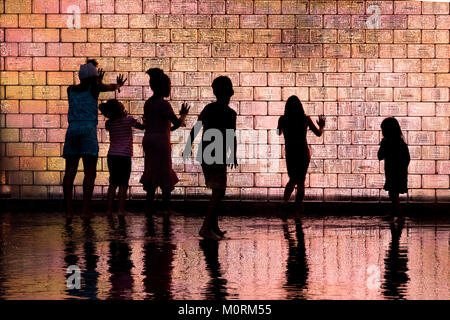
394 151
159 121
120 127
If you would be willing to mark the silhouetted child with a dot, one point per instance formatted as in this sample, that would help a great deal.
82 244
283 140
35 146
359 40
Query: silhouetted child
159 120
81 136
216 118
293 125
394 151
120 127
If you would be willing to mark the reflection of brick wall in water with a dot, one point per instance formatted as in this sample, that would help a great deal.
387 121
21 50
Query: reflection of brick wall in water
355 61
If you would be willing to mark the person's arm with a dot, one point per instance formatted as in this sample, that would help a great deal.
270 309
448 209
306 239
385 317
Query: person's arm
136 124
178 122
279 127
235 162
139 126
381 151
407 155
192 134
120 81
107 125
321 123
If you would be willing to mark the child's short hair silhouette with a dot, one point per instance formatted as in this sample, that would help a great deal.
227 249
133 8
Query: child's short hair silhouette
222 87
113 109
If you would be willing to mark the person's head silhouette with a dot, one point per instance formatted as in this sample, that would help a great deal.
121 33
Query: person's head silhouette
88 72
294 108
391 128
159 82
222 88
113 109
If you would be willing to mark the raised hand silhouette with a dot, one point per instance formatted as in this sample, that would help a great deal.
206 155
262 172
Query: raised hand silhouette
184 109
101 74
321 121
120 81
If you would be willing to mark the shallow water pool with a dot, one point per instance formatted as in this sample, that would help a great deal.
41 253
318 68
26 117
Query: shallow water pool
134 257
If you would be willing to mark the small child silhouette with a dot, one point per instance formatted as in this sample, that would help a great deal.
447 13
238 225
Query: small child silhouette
159 121
294 125
394 151
119 125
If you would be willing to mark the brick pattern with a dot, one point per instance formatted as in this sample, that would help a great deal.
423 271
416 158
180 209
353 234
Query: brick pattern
322 51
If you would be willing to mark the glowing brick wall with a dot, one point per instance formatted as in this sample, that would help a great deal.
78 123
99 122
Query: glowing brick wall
357 62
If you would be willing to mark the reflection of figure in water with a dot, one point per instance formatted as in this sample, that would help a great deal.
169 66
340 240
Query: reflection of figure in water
394 151
70 256
120 127
158 258
158 115
396 265
2 273
293 125
216 117
297 266
216 289
81 136
119 262
89 274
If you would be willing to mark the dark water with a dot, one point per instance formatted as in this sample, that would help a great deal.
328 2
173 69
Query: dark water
263 258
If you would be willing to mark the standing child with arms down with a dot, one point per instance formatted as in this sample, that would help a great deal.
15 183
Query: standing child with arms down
120 127
217 119
394 151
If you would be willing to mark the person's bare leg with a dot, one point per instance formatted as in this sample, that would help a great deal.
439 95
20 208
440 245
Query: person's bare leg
122 199
165 202
395 204
283 213
90 172
299 210
215 216
206 230
288 191
150 199
69 177
111 195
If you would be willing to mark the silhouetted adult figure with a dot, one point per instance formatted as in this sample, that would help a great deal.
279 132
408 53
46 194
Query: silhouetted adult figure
297 266
394 151
119 261
396 265
293 125
219 136
158 117
158 258
217 285
81 136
